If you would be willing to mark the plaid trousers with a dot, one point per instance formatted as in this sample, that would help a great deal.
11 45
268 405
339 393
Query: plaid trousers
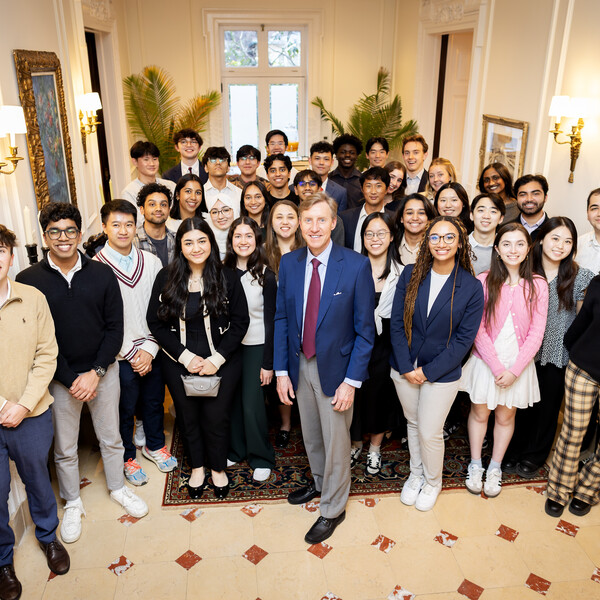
581 391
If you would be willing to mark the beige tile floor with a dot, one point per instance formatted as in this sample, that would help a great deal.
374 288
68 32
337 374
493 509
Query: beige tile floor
408 563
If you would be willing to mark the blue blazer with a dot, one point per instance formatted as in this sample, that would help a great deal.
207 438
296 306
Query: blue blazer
338 193
174 174
345 325
439 356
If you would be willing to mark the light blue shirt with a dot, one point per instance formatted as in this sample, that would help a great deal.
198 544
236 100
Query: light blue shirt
124 263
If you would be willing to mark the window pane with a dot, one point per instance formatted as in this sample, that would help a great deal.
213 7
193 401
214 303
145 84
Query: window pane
284 111
243 115
241 49
284 48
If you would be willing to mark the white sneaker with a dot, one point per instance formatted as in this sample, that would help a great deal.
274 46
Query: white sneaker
427 497
132 503
70 528
261 474
373 463
162 458
411 489
474 482
493 483
354 455
139 438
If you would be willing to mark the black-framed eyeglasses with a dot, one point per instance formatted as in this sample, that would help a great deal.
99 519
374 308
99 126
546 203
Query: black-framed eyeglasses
312 184
225 211
54 233
435 239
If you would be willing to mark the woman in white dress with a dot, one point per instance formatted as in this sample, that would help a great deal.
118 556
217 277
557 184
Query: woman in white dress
500 375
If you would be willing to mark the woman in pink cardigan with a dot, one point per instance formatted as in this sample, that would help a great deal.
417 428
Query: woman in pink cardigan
500 375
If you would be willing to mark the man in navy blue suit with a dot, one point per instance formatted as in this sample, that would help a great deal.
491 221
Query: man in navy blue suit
188 143
324 334
320 161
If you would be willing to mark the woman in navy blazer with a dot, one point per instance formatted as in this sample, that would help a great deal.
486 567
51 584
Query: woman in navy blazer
435 317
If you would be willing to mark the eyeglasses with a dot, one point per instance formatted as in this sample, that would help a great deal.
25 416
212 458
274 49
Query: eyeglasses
382 234
312 184
54 233
225 211
214 161
189 142
434 238
248 157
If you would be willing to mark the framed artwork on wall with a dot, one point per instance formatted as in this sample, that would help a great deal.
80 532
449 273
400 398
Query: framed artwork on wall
504 141
42 95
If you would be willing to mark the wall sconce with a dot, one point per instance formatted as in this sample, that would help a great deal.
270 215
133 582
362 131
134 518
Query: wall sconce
573 108
88 105
12 122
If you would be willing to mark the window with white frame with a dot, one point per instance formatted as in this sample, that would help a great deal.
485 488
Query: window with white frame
263 75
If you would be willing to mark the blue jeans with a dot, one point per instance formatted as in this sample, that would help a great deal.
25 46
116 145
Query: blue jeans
149 390
28 445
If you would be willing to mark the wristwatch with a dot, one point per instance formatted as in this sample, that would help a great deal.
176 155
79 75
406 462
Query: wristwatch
100 371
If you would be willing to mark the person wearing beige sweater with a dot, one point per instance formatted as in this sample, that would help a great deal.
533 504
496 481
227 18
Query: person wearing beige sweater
28 353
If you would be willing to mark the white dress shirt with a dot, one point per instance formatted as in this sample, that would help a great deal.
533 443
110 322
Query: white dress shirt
588 252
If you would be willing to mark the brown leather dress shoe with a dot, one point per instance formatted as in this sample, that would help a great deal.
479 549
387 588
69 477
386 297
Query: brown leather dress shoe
56 556
10 586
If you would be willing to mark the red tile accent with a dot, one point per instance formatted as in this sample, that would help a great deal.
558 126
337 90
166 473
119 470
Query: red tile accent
537 584
320 550
596 575
385 544
330 596
538 489
470 590
188 560
252 509
127 520
446 539
370 502
399 593
51 575
191 514
507 533
254 554
311 506
120 565
84 482
567 528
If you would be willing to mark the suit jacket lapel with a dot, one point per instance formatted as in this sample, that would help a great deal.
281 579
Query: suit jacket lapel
422 301
298 278
332 276
444 296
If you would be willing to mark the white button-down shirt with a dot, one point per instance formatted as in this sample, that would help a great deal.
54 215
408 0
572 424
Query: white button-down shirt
588 252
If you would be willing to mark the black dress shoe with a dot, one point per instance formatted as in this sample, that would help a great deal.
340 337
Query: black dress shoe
221 492
553 509
579 507
527 470
509 465
304 494
282 439
196 492
323 529
10 586
56 556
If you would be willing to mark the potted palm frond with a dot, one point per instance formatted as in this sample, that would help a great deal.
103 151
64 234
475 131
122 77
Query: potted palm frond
154 111
374 115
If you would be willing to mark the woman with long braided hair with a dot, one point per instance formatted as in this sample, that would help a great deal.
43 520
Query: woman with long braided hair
435 317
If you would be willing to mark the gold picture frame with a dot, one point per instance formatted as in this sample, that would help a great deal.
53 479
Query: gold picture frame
42 95
504 141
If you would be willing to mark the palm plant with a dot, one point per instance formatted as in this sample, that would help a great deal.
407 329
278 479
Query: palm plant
154 111
374 115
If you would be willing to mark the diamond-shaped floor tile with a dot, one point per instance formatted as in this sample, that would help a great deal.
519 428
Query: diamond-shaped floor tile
255 554
127 520
311 506
399 593
537 584
596 575
191 514
188 560
507 533
84 483
385 544
320 550
51 576
470 590
370 502
538 489
251 509
330 596
446 539
567 528
120 565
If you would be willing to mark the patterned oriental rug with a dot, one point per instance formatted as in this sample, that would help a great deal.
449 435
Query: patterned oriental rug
292 471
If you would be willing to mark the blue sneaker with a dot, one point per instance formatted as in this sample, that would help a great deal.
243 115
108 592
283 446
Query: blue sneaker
134 473
162 458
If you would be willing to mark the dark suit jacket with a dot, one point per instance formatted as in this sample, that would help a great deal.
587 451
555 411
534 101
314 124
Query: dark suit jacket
174 174
423 182
350 219
535 232
338 193
437 352
345 325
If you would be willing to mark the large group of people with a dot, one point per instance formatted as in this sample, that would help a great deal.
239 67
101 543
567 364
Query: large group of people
377 301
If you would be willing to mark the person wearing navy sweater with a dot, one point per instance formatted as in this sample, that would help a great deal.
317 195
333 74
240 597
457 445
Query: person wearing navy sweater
436 314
